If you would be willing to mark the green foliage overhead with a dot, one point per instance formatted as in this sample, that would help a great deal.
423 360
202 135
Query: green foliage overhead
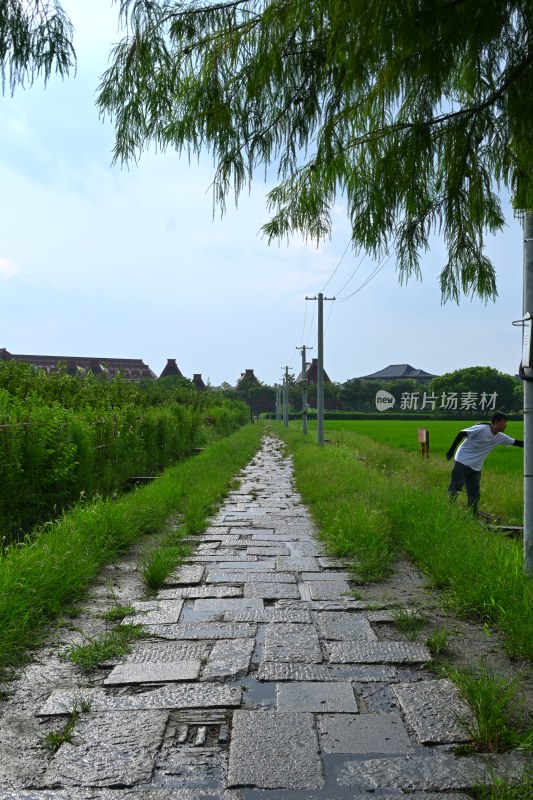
35 39
414 112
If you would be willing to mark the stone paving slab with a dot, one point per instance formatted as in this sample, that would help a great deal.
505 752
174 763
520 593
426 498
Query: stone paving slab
284 671
364 734
271 749
299 563
203 630
153 612
324 575
377 652
153 672
317 697
434 771
344 626
229 659
200 591
272 591
433 708
275 615
292 642
185 695
256 533
343 604
235 557
238 577
116 749
166 652
247 566
264 550
230 605
327 590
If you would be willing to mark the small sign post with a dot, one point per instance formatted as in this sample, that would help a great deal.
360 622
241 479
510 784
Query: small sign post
423 438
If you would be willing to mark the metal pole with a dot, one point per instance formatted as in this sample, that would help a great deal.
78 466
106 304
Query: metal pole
278 403
286 398
528 403
320 374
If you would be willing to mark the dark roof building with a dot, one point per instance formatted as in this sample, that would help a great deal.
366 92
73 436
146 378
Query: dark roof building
311 372
131 369
247 377
396 372
171 369
198 382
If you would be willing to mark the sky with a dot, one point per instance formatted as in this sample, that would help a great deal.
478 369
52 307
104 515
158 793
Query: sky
102 260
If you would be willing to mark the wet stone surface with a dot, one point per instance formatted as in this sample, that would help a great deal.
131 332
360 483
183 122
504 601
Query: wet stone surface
116 749
261 678
432 708
364 733
273 750
317 697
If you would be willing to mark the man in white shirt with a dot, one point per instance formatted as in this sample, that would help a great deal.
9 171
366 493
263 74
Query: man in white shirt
480 440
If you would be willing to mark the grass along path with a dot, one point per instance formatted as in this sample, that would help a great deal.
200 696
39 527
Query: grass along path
373 502
53 568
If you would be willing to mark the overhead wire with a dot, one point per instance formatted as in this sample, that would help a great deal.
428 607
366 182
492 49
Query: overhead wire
381 264
337 267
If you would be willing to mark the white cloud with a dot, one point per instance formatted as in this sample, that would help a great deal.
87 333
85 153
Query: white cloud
7 269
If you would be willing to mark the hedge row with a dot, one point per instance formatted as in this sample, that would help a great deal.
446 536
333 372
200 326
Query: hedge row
51 456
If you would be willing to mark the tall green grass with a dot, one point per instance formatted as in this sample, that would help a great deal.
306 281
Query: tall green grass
372 501
53 567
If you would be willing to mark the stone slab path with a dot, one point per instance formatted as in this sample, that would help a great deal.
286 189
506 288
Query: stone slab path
262 677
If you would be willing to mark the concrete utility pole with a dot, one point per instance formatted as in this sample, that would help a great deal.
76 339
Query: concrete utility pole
304 387
320 370
286 398
528 395
278 403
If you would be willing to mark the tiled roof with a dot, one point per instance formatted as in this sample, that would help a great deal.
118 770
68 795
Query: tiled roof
131 369
171 369
311 372
396 371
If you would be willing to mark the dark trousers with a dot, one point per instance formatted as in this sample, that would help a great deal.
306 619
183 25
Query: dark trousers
470 479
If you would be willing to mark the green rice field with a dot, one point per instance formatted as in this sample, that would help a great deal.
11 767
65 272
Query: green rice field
403 434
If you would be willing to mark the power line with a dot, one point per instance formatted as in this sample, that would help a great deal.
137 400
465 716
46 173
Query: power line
303 326
352 275
329 317
337 267
311 325
372 275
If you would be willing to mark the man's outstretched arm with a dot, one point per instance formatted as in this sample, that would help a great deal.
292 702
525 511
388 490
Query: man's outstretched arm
518 443
458 439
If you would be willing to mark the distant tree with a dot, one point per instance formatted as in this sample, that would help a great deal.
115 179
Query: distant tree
35 39
482 379
357 395
415 111
256 394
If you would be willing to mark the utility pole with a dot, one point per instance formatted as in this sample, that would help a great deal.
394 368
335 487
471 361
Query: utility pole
528 394
320 370
278 403
304 387
286 398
